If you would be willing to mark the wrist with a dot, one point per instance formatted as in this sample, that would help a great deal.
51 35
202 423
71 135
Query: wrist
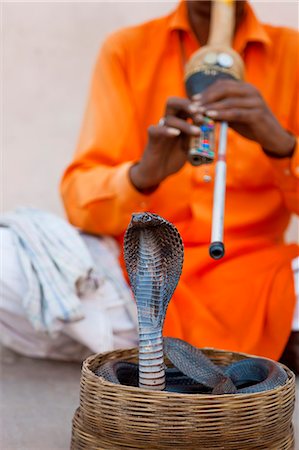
140 181
282 147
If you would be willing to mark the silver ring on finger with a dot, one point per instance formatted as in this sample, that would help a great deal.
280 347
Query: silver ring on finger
162 122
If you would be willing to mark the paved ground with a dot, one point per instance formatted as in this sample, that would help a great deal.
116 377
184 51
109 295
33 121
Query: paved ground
38 399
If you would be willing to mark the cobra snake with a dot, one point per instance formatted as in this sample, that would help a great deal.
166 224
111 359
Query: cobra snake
154 254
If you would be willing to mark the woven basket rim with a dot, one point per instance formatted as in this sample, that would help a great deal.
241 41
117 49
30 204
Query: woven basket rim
133 352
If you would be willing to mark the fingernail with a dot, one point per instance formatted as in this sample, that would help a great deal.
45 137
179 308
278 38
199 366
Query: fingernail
194 129
196 102
196 97
173 131
212 113
193 108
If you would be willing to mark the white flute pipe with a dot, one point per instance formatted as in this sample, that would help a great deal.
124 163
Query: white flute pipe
217 246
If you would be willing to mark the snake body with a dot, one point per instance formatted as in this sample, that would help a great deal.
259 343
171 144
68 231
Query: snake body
154 254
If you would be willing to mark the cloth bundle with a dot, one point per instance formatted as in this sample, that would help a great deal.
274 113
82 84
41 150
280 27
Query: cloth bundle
55 262
63 294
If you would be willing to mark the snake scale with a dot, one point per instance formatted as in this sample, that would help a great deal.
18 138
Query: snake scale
154 254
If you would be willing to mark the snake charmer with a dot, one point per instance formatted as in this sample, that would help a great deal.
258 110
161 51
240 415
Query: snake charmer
132 157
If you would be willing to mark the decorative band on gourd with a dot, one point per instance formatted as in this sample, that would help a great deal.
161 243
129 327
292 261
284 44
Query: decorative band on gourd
209 64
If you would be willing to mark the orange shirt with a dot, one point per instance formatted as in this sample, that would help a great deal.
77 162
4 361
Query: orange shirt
245 301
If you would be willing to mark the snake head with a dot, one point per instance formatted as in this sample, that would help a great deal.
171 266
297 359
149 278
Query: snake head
144 220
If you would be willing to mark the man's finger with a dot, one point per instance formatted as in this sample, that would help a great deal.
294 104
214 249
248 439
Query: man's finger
184 107
232 103
222 89
238 115
182 125
157 132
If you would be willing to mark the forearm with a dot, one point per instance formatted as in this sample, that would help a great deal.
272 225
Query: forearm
281 144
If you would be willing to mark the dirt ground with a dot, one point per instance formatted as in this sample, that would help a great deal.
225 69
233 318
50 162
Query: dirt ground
38 400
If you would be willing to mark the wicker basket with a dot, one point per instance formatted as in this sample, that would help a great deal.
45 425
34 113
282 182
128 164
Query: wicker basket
122 417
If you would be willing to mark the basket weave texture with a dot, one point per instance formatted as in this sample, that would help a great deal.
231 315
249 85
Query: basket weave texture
115 417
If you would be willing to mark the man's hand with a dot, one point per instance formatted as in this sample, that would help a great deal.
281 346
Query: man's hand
237 102
166 151
243 107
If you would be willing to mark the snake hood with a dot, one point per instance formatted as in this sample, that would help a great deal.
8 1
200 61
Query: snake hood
153 248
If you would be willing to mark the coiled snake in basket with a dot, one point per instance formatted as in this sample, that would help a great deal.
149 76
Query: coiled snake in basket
154 254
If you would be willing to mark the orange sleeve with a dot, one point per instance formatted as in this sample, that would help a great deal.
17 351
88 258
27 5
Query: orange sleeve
286 170
287 178
95 188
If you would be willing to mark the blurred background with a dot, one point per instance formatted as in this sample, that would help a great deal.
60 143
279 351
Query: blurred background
49 49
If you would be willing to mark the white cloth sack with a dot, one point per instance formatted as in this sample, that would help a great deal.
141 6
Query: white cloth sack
61 295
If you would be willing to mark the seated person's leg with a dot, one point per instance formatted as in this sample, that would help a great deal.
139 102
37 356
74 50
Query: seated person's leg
290 355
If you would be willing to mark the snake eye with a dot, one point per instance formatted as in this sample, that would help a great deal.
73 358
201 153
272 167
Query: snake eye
147 218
